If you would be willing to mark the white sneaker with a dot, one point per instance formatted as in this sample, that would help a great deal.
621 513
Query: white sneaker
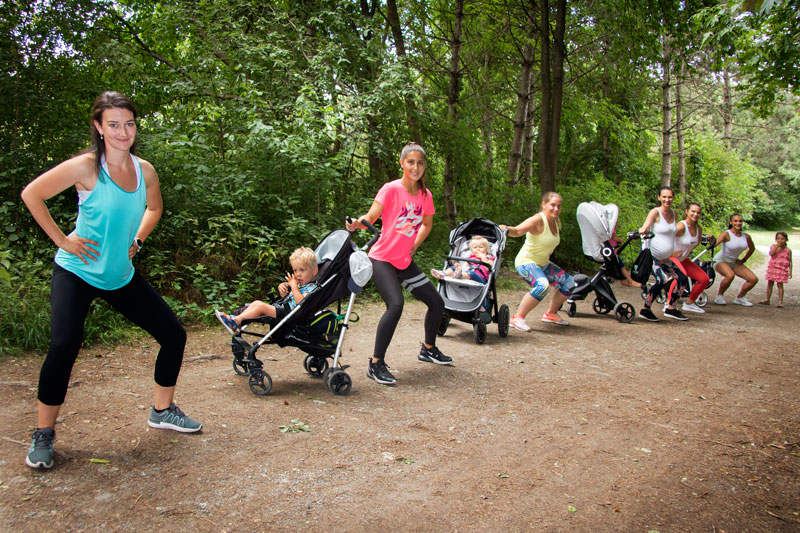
692 308
519 323
743 301
719 300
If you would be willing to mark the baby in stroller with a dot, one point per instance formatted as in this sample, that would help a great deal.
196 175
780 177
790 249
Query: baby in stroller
299 283
598 223
480 252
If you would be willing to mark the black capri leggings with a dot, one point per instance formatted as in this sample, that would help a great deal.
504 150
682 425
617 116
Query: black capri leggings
389 280
70 298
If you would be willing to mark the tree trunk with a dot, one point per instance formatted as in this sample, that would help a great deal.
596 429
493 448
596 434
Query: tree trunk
552 76
523 96
452 114
666 112
527 147
486 120
393 19
727 109
679 130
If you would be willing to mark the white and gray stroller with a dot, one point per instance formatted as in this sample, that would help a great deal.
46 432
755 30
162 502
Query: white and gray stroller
471 301
597 223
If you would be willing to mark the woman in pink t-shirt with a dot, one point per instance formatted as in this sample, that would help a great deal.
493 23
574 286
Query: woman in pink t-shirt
407 209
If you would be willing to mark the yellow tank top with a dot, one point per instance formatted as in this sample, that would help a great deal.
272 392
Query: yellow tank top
538 248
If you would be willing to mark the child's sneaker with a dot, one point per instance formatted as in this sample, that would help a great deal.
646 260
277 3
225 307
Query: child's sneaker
517 322
554 319
433 355
674 313
743 301
40 454
380 373
719 300
173 418
229 323
692 308
438 274
647 314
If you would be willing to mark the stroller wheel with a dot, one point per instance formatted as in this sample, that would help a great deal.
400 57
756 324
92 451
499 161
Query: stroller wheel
444 323
316 366
259 382
479 332
601 306
339 382
624 312
503 320
240 367
702 300
571 308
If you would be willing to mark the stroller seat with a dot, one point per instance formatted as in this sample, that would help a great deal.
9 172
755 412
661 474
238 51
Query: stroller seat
471 301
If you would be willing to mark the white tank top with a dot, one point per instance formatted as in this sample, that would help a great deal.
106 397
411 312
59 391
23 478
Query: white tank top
734 247
663 243
686 243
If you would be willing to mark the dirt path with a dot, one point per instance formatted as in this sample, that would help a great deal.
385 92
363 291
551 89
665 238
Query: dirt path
598 426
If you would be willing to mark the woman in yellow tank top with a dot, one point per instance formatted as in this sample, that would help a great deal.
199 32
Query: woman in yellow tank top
542 236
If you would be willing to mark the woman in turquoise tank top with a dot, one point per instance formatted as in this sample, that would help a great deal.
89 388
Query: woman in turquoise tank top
542 235
119 205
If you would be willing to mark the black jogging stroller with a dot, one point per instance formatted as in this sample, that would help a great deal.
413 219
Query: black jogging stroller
597 223
709 243
470 301
310 326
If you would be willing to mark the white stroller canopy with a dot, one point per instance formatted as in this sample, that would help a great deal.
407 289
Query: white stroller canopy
597 223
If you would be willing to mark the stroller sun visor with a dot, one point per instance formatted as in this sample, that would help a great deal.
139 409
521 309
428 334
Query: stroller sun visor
597 223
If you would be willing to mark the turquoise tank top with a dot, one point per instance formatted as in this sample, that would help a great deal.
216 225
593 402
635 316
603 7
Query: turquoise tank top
110 216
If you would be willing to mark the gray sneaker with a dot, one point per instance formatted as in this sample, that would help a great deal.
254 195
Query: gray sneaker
40 454
173 418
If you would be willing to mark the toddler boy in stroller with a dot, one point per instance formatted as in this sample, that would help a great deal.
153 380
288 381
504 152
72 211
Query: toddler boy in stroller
299 283
341 270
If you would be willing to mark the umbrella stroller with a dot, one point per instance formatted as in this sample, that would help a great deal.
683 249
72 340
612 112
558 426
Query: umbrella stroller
470 301
315 330
597 223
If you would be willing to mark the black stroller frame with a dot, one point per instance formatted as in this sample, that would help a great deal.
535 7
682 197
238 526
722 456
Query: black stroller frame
708 267
600 283
464 299
294 329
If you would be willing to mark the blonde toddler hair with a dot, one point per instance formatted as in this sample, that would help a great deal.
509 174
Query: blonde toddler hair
304 256
476 241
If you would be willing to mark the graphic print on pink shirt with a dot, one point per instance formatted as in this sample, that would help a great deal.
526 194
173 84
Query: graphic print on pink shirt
409 220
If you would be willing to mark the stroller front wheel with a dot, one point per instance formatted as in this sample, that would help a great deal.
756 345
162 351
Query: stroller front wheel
338 382
240 367
479 332
259 382
444 323
571 309
702 300
624 312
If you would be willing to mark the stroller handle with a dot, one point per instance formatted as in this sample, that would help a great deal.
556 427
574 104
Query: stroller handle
375 231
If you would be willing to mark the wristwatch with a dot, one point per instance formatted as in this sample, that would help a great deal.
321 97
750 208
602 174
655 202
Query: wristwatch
138 242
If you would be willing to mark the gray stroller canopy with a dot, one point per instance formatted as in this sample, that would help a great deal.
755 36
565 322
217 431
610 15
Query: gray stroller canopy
597 223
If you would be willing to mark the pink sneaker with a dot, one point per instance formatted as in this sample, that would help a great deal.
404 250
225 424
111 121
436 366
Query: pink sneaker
554 319
517 322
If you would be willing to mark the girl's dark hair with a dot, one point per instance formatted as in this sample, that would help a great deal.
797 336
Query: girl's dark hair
785 236
107 100
666 188
690 204
731 218
414 147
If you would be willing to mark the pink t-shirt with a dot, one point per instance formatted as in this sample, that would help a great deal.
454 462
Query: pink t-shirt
402 217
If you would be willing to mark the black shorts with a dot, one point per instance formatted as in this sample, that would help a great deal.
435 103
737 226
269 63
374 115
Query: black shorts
281 310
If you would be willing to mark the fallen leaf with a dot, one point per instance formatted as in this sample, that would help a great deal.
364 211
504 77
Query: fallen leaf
100 461
572 509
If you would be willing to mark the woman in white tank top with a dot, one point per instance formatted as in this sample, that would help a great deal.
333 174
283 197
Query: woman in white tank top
662 220
687 237
734 241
